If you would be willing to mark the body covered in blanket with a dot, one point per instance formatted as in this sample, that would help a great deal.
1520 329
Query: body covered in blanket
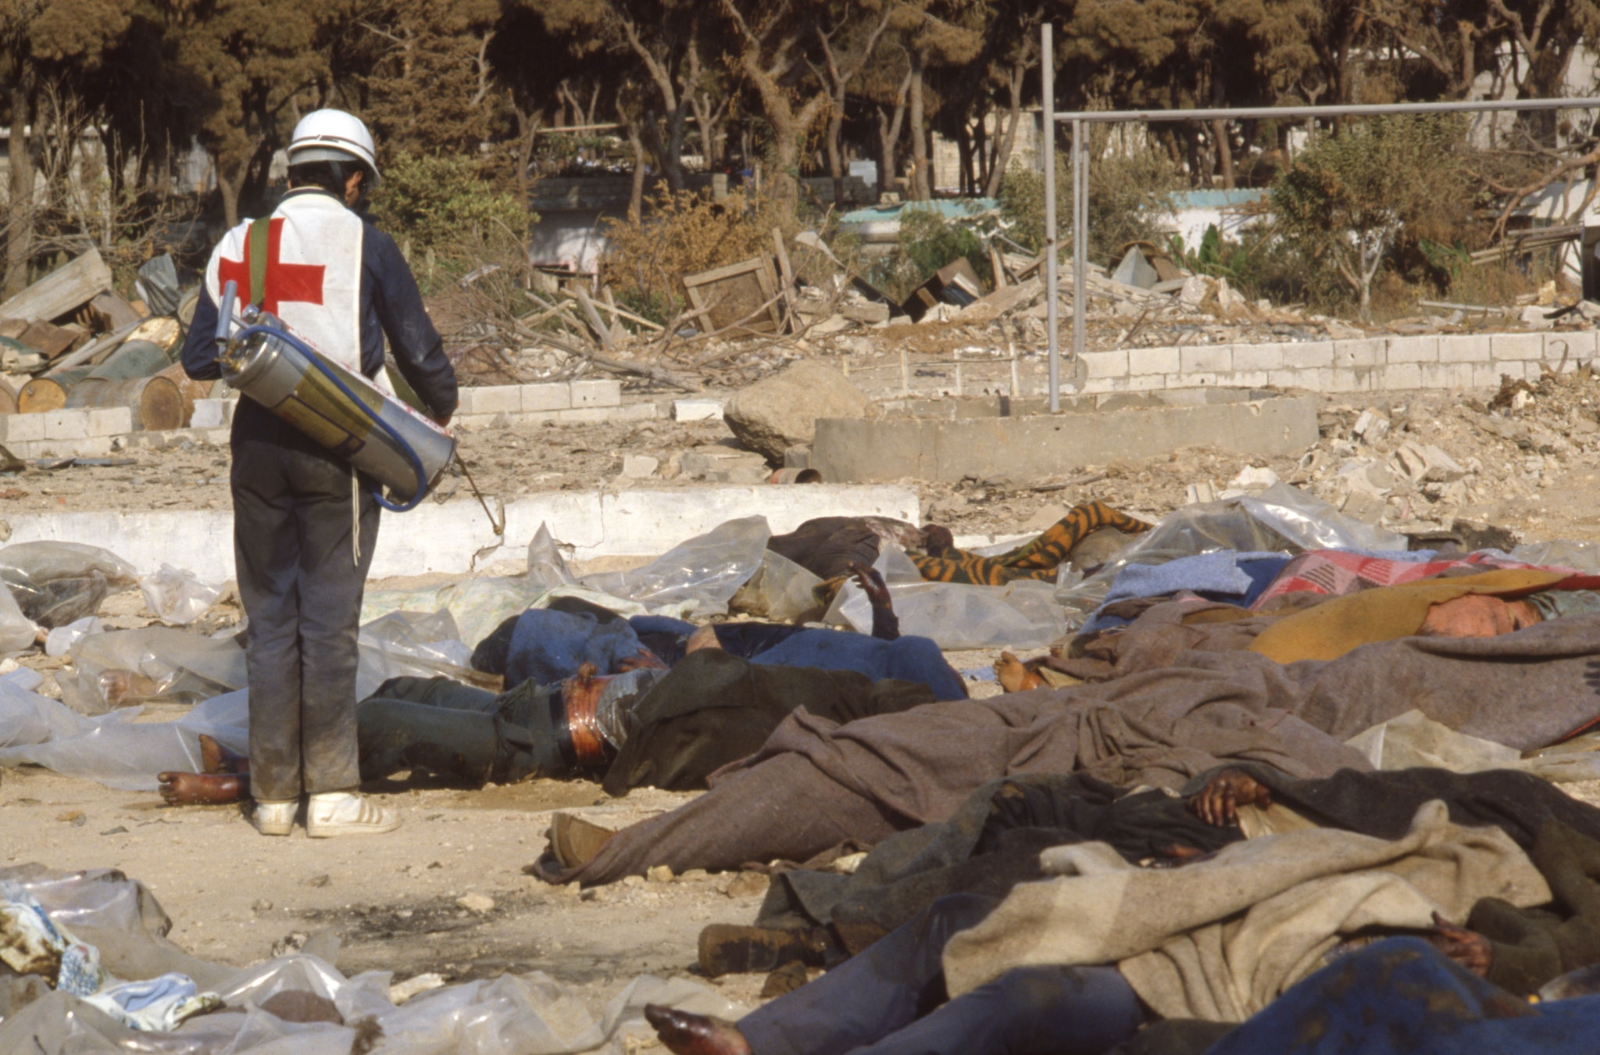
816 784
669 729
1077 963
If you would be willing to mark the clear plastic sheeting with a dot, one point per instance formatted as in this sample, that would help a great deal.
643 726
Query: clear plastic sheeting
411 644
177 596
704 572
1022 614
121 668
61 640
121 753
1281 519
18 633
56 583
780 590
1310 523
546 566
1413 739
529 1014
27 718
1560 553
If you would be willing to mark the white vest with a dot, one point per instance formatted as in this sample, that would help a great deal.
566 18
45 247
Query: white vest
313 280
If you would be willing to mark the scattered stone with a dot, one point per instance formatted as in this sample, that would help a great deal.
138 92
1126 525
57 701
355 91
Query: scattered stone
595 893
697 409
633 880
659 874
319 880
400 992
76 818
639 466
782 411
118 830
479 903
749 884
261 905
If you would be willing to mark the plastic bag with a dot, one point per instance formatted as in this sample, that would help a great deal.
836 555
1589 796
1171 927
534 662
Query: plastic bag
177 596
1560 553
411 644
705 572
60 640
1281 519
780 590
1022 614
18 633
546 566
56 583
28 718
120 668
121 753
1413 739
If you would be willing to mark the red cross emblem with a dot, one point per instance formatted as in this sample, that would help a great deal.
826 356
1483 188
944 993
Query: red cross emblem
296 282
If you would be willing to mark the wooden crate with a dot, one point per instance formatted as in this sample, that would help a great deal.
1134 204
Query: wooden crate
735 295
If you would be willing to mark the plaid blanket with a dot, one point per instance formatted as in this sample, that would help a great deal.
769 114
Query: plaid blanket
1337 572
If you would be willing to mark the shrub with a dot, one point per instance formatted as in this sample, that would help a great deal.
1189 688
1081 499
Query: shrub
440 206
681 234
1130 195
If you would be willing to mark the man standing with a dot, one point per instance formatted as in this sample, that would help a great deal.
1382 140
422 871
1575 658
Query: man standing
304 523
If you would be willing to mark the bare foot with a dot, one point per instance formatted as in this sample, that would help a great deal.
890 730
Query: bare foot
214 758
1014 675
202 789
686 1034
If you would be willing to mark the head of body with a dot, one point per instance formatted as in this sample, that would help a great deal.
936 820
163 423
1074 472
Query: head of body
333 150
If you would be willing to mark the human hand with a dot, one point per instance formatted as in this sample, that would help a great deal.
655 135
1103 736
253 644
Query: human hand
1218 802
1467 948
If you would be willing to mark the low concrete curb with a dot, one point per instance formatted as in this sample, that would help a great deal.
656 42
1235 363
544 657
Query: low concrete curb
446 537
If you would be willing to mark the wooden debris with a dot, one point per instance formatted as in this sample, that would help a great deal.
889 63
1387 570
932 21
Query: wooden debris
743 296
61 292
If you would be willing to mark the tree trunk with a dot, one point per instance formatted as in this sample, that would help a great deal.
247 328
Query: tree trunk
889 138
835 159
19 226
229 189
921 184
1219 133
1008 140
636 191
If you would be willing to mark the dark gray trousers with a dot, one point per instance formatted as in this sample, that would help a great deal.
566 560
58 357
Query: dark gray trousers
301 590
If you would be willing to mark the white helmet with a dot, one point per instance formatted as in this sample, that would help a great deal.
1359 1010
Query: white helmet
332 135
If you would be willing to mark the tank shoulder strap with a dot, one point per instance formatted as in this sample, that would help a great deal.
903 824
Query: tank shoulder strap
256 252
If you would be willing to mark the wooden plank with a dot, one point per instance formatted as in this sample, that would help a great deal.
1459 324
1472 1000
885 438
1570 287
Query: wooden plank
595 322
62 291
742 294
114 311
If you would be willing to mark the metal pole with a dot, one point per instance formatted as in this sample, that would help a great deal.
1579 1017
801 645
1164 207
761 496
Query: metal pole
1052 277
1080 245
1361 110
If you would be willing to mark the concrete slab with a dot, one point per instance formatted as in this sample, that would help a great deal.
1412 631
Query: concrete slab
1131 425
445 538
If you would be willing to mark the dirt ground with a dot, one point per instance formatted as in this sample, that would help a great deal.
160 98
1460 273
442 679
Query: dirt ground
392 901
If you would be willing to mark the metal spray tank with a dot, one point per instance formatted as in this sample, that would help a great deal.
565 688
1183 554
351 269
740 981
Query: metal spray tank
341 410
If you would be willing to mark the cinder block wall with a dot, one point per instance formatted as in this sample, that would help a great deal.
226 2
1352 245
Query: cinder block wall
1364 365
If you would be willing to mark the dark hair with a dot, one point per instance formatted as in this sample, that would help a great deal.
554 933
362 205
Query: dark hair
329 175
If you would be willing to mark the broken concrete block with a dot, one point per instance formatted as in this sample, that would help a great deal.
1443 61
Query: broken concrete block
1193 291
639 466
1251 478
1371 426
546 397
212 413
113 421
1423 462
1536 318
724 465
870 313
697 410
596 394
781 411
1363 506
66 425
497 399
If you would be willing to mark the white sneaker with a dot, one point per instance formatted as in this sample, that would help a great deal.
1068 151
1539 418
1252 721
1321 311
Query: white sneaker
341 813
275 818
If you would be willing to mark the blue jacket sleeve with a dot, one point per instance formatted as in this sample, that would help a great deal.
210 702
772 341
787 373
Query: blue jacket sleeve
418 349
199 355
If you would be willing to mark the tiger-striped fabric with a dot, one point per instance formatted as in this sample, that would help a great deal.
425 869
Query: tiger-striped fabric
1035 560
